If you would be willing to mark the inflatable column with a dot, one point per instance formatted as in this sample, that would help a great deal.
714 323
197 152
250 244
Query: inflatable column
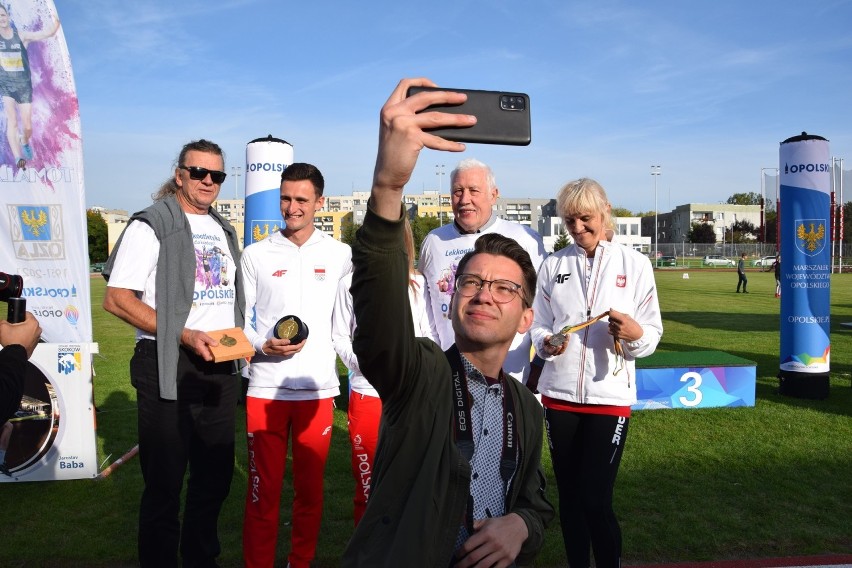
266 158
805 267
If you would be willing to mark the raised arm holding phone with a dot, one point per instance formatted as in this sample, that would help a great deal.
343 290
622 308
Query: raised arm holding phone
457 478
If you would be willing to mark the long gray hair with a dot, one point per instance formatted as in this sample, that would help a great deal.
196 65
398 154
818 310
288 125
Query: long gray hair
169 186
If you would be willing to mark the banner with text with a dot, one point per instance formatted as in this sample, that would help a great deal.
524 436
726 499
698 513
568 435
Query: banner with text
52 435
42 203
266 158
805 266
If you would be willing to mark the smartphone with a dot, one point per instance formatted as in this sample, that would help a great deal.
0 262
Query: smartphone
501 117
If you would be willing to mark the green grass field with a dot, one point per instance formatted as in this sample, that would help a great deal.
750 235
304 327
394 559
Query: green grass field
707 484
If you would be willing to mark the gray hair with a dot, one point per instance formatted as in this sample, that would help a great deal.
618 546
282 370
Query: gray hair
170 187
473 164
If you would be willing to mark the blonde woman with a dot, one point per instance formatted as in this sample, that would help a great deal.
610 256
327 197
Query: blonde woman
596 310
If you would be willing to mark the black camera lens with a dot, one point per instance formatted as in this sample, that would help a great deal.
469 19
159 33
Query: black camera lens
11 286
512 102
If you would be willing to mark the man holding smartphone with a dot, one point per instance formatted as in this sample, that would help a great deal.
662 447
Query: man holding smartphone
457 478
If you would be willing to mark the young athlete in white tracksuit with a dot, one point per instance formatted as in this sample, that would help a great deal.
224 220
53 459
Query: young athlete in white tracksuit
289 395
365 407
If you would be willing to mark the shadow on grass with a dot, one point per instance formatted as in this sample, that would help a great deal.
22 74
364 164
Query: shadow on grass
725 322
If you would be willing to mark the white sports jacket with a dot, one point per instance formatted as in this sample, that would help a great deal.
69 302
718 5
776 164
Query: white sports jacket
283 279
621 279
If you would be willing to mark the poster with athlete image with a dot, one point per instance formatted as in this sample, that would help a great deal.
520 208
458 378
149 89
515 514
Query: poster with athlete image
42 202
43 228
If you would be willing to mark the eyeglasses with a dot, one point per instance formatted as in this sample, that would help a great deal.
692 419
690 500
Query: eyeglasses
199 174
503 291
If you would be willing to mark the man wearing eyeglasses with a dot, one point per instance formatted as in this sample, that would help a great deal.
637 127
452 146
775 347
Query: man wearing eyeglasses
157 282
474 193
457 480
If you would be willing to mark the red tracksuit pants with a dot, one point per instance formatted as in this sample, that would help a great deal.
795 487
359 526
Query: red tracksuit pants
269 424
365 413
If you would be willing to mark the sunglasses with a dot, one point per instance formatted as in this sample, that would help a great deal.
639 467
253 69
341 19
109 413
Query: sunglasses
199 174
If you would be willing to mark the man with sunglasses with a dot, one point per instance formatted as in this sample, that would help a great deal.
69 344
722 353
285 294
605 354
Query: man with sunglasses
457 480
186 402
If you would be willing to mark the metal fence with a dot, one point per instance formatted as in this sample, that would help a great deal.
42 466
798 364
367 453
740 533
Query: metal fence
691 255
732 251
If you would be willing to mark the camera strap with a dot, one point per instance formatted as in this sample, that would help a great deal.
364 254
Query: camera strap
463 425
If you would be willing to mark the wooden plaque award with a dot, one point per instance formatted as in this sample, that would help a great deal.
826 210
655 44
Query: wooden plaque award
233 344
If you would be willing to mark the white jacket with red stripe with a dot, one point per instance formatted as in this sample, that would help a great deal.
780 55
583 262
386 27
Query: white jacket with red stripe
284 279
621 279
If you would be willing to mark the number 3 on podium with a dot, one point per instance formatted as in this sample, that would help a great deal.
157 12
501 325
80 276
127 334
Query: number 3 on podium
694 389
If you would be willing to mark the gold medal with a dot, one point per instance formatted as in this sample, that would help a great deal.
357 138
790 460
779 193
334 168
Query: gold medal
559 338
292 328
286 329
228 341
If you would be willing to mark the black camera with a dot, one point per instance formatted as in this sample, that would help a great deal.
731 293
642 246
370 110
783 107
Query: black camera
11 287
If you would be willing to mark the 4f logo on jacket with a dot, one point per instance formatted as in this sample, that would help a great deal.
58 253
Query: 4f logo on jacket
560 278
279 273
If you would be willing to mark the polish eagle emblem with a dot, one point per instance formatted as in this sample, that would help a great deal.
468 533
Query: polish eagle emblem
811 239
258 234
35 222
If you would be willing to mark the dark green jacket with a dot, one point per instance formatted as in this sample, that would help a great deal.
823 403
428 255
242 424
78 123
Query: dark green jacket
421 482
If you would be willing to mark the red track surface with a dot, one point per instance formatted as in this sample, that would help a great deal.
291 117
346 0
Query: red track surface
824 560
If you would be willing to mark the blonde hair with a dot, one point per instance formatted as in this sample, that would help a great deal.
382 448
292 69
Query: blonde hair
409 250
584 196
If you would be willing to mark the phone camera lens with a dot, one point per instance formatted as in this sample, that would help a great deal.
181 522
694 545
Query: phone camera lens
512 102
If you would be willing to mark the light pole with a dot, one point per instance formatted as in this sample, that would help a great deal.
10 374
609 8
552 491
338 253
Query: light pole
655 172
837 186
439 171
763 203
733 252
840 229
235 171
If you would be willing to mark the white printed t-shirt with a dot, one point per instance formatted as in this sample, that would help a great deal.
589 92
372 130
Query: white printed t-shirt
440 253
135 268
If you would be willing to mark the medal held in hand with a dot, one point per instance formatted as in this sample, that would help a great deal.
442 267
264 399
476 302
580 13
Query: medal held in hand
292 328
559 338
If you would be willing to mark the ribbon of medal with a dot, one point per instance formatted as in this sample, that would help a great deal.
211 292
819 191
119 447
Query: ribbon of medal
559 338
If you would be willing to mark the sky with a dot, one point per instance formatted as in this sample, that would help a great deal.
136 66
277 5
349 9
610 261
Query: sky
705 90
